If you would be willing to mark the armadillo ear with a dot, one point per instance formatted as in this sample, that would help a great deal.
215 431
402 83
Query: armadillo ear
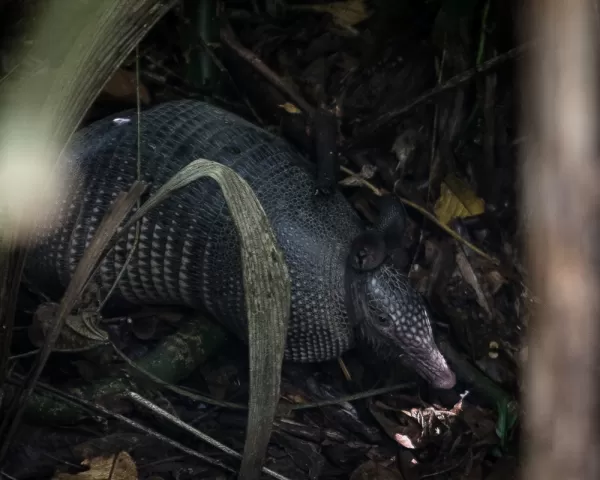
392 220
367 251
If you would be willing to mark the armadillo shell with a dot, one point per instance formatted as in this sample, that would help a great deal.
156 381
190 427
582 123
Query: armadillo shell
188 253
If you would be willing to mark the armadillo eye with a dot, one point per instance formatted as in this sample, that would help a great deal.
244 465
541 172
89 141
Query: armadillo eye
383 320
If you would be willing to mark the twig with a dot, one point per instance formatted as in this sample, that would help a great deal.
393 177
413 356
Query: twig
433 154
12 263
92 406
207 48
139 400
173 359
482 35
448 230
174 388
427 214
347 398
6 475
228 37
388 118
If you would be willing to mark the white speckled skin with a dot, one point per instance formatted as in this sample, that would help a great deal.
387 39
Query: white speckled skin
188 252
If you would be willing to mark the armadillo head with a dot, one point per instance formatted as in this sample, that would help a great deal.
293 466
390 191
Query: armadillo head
390 315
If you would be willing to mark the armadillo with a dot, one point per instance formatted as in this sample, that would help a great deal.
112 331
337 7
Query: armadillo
345 288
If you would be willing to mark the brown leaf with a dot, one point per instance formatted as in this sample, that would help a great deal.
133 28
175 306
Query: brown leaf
406 441
120 468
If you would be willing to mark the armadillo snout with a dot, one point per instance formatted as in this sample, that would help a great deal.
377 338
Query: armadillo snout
434 368
397 325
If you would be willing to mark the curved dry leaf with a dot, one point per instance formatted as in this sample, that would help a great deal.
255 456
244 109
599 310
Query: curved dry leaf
457 200
79 333
267 283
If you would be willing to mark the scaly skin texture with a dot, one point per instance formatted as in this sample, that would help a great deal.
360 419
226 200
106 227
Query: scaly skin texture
188 253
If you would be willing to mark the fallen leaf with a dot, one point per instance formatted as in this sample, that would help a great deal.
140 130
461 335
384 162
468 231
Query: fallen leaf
290 108
345 14
457 200
405 441
80 332
100 468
